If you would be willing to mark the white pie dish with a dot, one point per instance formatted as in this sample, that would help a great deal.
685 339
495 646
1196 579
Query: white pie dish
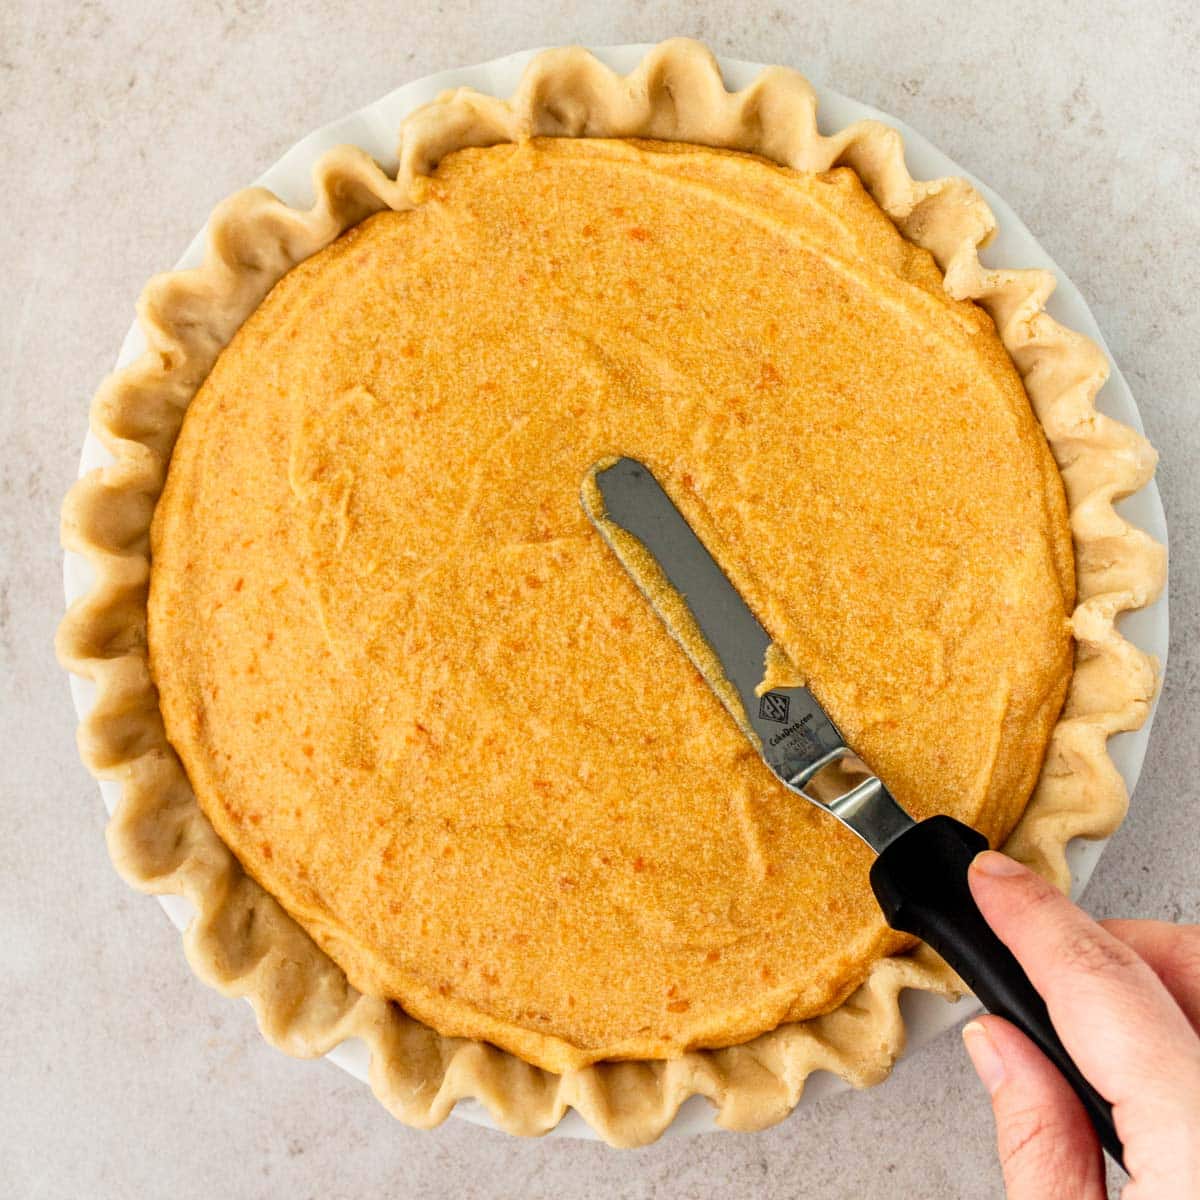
375 127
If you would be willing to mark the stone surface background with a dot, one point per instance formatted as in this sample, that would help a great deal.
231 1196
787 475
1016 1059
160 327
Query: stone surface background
121 124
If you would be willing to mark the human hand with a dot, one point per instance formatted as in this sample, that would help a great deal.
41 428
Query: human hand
1124 997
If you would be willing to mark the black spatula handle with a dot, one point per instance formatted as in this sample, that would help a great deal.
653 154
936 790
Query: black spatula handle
920 881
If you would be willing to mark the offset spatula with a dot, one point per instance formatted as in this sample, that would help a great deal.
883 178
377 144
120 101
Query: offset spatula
920 874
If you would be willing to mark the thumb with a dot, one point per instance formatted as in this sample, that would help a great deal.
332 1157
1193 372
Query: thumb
1047 1147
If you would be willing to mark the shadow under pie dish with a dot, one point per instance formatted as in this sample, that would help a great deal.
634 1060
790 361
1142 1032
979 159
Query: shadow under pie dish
416 698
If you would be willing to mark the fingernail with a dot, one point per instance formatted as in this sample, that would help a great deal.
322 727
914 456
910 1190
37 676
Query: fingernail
988 1064
999 866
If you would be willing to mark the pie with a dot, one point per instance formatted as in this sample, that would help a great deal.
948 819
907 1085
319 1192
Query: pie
388 711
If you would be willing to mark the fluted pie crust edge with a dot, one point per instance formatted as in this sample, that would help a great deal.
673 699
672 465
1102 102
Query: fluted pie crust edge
241 941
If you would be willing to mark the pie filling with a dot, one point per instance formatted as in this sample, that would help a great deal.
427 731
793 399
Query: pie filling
423 703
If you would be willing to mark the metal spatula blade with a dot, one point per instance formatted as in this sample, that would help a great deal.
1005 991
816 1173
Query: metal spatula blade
920 874
796 738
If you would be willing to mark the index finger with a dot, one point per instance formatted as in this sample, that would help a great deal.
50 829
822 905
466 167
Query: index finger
1115 1017
1172 952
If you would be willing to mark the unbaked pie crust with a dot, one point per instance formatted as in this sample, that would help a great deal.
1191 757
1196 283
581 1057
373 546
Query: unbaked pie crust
242 941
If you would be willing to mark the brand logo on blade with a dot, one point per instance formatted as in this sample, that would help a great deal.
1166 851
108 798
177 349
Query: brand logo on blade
774 707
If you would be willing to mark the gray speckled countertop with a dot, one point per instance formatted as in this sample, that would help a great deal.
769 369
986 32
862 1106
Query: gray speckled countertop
121 124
